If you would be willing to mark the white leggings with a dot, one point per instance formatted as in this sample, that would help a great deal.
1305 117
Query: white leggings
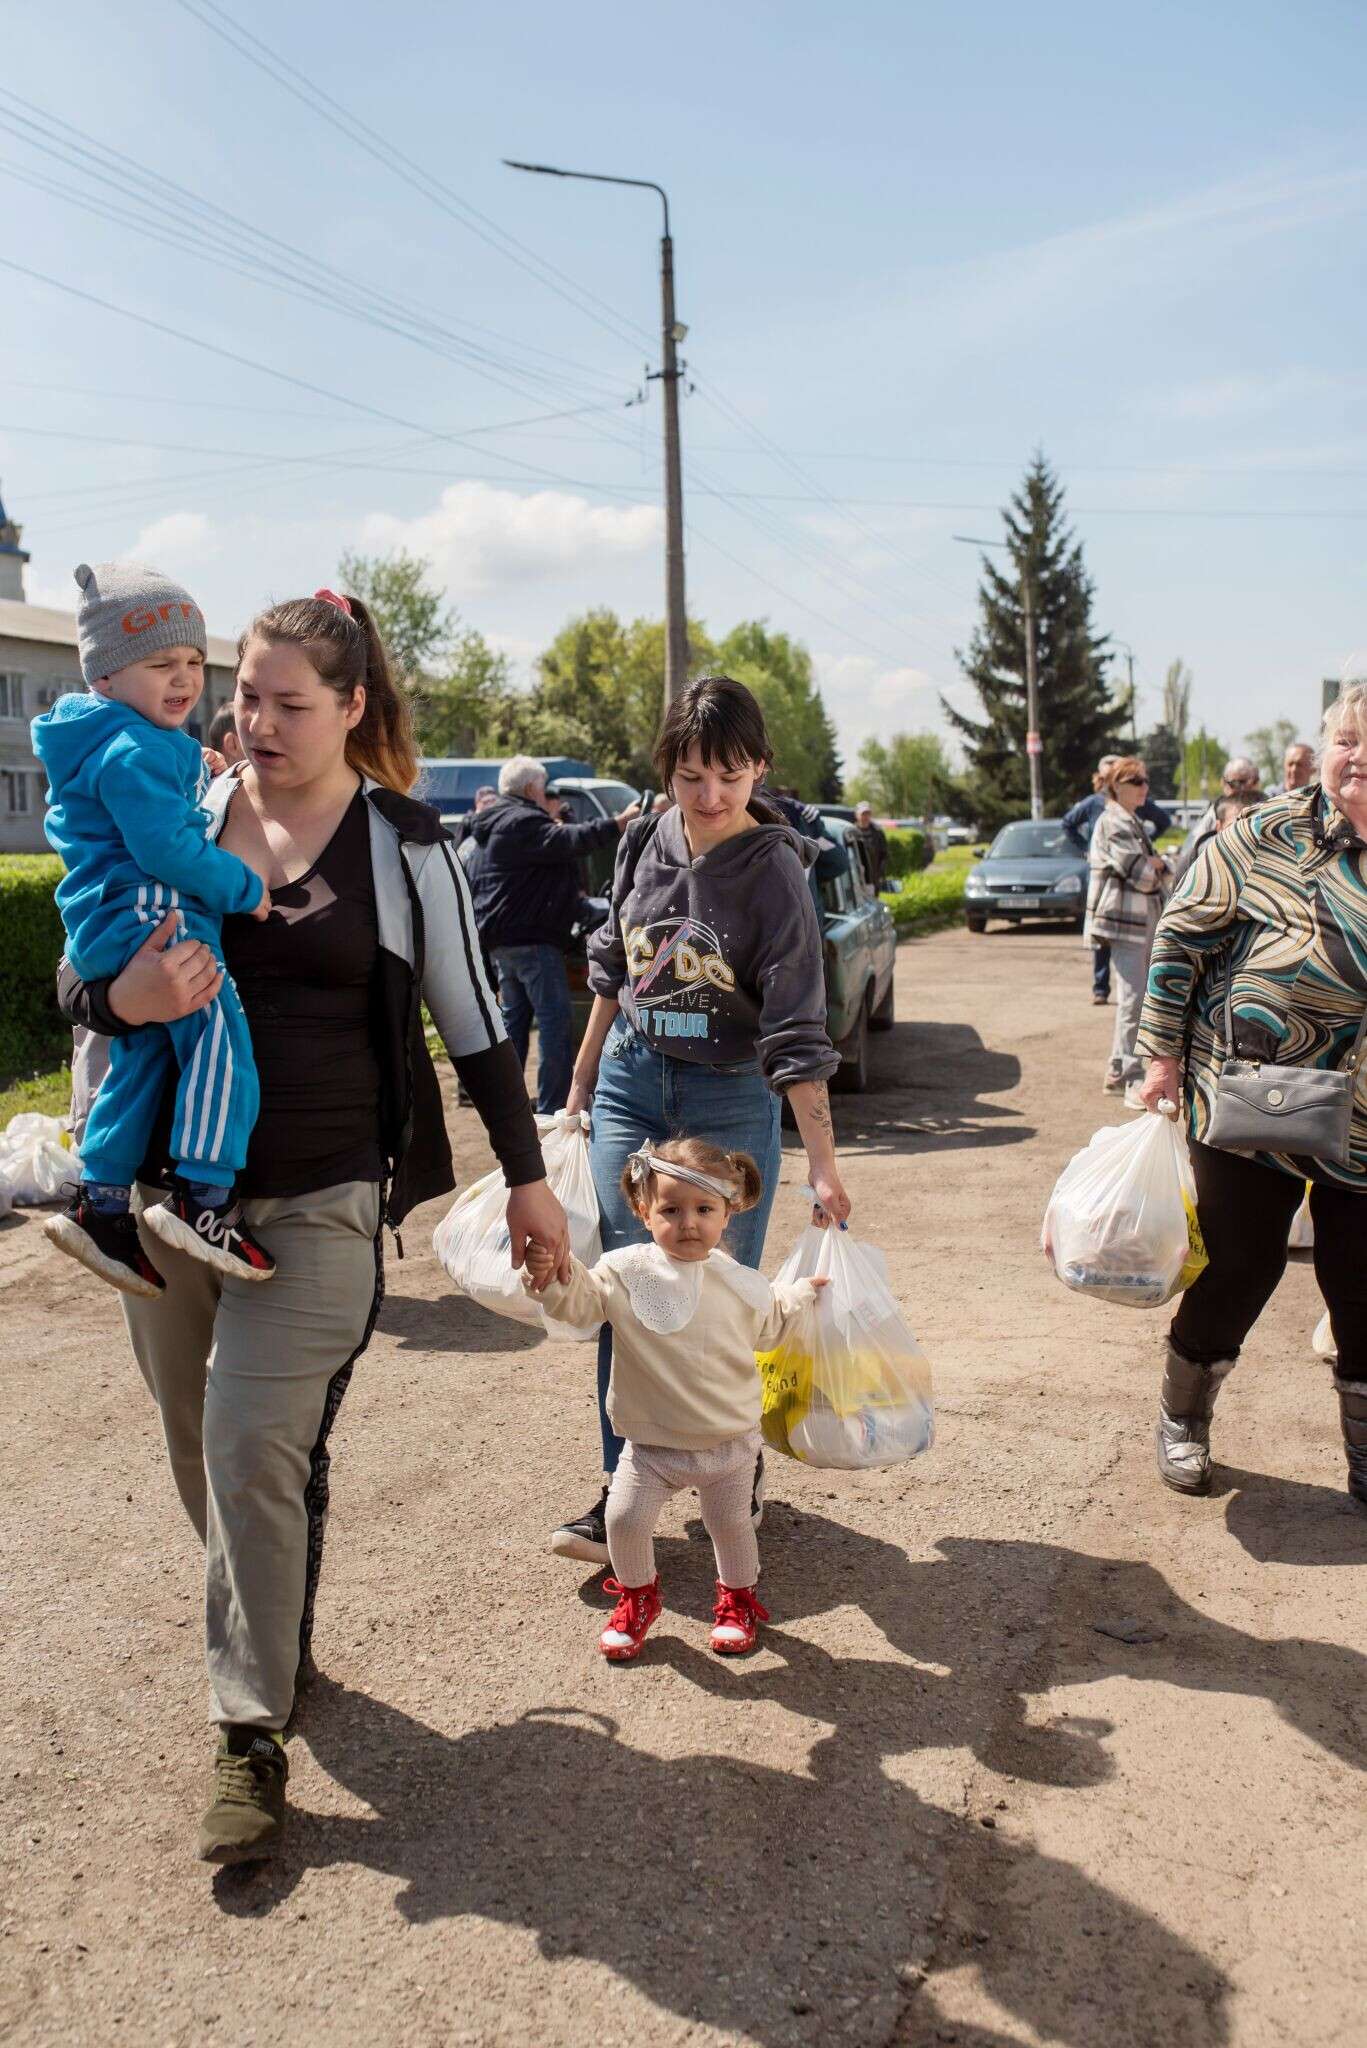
646 1476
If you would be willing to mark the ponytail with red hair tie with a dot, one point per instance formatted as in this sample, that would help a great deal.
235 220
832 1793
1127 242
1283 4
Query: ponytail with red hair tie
343 604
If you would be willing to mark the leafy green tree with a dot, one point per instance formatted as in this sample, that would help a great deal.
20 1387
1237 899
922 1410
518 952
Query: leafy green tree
1206 757
1267 745
460 710
899 776
1079 718
779 671
413 619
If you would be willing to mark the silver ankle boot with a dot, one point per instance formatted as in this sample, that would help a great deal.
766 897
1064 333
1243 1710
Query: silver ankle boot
1185 1407
1353 1416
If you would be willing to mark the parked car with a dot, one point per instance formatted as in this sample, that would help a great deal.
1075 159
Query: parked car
859 939
859 947
448 782
1031 869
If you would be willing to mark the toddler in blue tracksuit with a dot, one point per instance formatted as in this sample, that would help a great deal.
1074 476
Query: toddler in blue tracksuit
124 813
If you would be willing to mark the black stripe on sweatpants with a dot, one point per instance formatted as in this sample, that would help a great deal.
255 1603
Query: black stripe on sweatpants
459 885
316 1488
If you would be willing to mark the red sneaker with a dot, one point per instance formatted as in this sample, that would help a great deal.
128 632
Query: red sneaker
637 1607
735 1620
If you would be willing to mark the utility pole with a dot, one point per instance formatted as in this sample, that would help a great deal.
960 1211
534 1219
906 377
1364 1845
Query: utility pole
673 332
1034 745
676 618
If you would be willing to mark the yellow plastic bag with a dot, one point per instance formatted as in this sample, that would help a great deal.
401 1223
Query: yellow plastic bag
848 1389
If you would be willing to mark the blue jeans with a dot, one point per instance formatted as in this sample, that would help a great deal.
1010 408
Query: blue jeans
532 983
1101 968
642 1094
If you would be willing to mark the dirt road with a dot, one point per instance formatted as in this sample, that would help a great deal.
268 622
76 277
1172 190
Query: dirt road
950 1801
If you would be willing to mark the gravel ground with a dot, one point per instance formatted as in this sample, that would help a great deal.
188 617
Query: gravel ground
948 1800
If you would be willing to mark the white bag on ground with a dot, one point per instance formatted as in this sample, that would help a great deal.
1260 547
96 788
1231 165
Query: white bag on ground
849 1387
36 1162
472 1239
1121 1221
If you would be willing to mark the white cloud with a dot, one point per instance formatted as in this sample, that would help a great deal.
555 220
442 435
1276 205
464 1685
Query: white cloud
178 543
479 536
1237 397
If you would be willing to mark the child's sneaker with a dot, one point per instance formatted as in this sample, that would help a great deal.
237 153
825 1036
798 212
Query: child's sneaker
735 1620
107 1242
637 1607
219 1237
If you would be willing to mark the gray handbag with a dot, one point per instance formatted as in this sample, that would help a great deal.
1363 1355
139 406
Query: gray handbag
1302 1111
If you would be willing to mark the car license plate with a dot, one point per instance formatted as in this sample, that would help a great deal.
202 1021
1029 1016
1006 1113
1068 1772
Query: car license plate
1026 902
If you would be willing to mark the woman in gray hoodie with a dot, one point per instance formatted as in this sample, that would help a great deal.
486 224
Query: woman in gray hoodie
710 997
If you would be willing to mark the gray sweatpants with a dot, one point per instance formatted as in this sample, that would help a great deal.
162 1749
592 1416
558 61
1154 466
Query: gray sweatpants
248 1376
1130 973
646 1476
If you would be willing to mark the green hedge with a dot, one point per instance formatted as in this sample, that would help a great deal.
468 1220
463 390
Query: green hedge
32 1033
928 902
909 851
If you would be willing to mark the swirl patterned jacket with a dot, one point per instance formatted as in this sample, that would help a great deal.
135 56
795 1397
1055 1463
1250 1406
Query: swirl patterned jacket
1278 899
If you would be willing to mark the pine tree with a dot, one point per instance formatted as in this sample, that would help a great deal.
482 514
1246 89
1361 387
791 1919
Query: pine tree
1078 718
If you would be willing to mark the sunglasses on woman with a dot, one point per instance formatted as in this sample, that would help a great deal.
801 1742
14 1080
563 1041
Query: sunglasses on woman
1134 782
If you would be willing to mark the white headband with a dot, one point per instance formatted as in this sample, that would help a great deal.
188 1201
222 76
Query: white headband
646 1161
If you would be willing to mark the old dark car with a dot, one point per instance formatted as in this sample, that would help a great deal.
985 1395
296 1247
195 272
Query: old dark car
1031 869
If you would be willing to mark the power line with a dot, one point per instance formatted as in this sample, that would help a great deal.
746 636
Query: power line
251 47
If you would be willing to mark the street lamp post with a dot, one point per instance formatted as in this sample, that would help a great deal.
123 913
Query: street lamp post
1034 745
676 618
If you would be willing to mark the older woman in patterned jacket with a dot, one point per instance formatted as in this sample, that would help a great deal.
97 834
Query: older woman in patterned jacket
1278 901
1124 898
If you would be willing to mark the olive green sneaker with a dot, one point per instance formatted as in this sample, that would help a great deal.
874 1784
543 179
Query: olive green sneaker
247 1817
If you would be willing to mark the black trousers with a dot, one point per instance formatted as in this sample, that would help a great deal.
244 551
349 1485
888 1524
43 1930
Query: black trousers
1246 1211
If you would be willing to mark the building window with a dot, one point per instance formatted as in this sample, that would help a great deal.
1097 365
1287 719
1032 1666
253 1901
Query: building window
16 792
11 695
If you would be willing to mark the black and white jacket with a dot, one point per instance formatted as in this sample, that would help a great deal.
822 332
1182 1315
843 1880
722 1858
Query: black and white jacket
428 953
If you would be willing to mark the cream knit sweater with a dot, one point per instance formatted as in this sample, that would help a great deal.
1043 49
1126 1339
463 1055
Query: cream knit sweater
685 1334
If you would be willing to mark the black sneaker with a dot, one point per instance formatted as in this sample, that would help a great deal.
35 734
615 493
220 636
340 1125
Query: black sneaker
247 1817
587 1538
219 1237
107 1243
757 1494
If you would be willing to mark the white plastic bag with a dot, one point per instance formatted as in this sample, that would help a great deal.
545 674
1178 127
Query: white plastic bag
472 1239
1121 1222
1302 1233
36 1162
849 1386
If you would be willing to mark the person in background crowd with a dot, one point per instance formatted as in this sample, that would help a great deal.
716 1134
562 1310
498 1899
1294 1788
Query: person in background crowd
1228 808
1240 778
222 747
873 841
1275 911
485 795
526 885
1298 766
1079 824
1123 903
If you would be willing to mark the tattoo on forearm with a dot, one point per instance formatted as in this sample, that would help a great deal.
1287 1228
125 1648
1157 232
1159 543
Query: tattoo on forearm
819 1107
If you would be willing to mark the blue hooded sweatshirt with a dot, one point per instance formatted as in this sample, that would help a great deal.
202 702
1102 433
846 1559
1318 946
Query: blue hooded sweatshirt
124 814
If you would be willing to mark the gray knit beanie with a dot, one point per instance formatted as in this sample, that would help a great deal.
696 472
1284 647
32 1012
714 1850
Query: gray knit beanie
128 612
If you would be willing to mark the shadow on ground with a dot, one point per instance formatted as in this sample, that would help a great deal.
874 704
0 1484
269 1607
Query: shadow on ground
451 1323
929 1091
653 1865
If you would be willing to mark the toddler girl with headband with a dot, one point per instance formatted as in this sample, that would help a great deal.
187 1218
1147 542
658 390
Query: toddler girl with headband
687 1321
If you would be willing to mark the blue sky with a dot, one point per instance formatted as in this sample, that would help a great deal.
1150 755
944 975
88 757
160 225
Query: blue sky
913 244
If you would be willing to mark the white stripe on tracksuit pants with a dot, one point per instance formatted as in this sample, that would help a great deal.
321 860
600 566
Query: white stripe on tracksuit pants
216 1097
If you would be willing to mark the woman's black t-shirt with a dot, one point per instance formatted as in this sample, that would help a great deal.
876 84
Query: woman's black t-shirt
305 978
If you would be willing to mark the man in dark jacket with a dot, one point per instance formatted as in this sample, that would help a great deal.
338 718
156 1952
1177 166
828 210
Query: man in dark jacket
524 877
873 841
